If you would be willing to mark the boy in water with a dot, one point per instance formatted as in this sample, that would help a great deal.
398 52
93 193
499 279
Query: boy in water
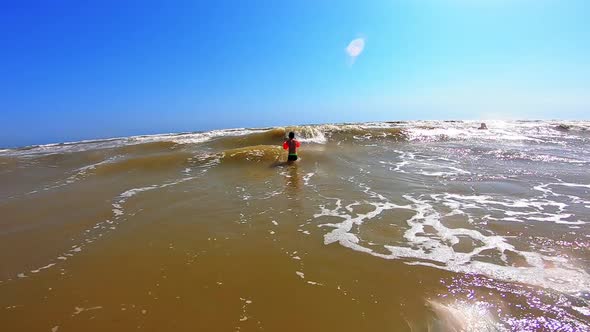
291 144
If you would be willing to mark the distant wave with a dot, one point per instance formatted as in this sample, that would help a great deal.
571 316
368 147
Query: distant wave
530 131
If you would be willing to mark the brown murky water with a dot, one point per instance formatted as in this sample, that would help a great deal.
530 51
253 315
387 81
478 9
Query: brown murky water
430 227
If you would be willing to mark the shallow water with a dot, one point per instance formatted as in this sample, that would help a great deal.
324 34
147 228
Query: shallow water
406 226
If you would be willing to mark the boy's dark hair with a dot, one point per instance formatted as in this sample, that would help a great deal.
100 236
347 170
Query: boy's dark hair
291 135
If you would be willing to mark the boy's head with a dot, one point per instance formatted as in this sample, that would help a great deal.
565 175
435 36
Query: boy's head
291 135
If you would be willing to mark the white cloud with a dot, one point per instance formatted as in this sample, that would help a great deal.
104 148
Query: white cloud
355 48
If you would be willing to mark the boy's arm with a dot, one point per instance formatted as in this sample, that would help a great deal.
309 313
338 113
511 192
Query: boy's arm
285 146
297 144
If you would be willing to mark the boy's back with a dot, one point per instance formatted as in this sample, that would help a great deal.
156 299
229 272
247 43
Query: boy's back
291 144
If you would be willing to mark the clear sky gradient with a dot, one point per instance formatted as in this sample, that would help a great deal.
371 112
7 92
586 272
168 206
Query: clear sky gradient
71 70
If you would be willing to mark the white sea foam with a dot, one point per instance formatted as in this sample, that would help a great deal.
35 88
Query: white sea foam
88 145
436 250
583 310
132 192
307 177
79 310
433 166
453 171
43 268
312 135
537 132
194 138
463 316
341 232
536 209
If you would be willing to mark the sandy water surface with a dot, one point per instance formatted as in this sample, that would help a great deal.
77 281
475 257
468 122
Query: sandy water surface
398 226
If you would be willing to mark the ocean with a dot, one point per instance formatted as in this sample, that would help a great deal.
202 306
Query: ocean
382 226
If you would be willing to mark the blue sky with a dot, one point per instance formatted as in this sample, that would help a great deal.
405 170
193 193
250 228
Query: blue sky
72 70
